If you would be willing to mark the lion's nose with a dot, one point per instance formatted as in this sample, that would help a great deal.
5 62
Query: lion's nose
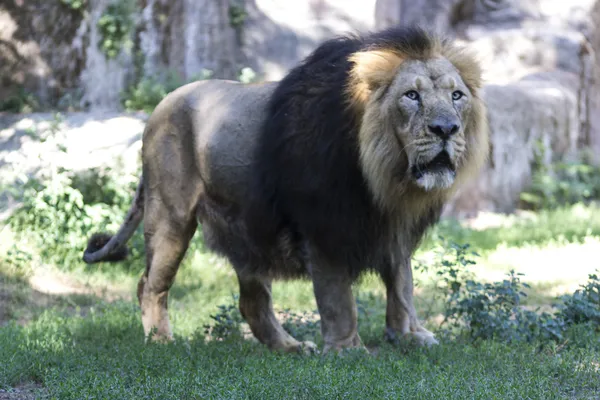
443 129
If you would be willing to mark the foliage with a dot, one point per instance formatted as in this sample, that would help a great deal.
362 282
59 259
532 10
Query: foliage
484 311
583 306
301 325
494 311
237 15
21 101
115 27
451 268
149 91
77 5
226 323
562 183
59 213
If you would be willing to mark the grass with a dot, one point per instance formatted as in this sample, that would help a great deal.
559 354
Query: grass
75 330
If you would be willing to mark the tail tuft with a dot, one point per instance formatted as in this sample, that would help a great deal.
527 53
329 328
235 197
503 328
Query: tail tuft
97 242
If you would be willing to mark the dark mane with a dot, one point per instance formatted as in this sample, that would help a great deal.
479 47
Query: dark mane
308 179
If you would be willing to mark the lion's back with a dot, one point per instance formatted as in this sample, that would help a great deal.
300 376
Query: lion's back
224 118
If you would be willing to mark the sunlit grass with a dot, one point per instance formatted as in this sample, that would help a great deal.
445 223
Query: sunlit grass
87 343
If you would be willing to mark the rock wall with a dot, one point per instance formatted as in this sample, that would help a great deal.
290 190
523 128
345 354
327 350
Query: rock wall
42 50
51 50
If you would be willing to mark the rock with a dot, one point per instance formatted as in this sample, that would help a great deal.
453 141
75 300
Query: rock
523 116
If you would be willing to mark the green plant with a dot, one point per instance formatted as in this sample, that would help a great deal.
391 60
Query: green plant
451 268
247 75
583 306
494 311
301 325
77 5
149 91
20 101
58 214
237 15
115 27
227 322
561 183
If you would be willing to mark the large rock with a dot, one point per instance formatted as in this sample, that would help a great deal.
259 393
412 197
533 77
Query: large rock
525 117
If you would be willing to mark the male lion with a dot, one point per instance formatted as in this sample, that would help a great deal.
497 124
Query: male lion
337 169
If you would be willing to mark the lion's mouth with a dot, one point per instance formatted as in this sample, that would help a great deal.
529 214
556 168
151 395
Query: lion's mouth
440 163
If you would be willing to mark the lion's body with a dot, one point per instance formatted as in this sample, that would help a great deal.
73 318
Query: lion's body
307 177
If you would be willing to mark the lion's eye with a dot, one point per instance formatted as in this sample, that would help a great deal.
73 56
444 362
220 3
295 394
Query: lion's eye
412 94
457 95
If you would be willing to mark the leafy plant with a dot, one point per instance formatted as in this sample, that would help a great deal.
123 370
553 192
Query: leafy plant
59 213
451 268
494 311
227 322
237 15
115 27
301 325
561 183
149 91
583 306
21 101
77 5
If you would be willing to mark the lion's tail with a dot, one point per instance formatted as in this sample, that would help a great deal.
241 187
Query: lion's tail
104 247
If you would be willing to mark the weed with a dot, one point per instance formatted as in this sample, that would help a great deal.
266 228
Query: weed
227 322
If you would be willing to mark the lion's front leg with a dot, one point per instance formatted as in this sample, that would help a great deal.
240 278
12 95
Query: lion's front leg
337 310
401 316
257 309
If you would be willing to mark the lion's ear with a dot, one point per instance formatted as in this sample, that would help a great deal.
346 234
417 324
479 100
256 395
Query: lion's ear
375 68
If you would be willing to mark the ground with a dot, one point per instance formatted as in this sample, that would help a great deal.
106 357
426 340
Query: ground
77 333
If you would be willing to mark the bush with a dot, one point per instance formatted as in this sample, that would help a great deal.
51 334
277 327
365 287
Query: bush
115 27
482 311
58 214
149 91
583 306
227 322
494 311
21 101
562 183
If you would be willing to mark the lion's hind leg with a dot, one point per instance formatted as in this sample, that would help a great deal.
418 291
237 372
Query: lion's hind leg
256 307
167 238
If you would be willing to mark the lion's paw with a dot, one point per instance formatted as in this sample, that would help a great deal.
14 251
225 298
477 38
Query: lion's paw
422 338
308 348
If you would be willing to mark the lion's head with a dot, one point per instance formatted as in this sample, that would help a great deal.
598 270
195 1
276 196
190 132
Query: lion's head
423 122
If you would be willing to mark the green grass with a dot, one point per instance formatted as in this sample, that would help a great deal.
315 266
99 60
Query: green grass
102 355
89 343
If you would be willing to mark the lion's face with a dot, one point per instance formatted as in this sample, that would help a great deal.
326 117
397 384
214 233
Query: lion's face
429 106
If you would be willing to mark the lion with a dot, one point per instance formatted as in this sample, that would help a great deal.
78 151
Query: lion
336 170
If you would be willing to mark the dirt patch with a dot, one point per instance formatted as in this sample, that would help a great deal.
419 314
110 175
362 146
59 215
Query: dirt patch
24 391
